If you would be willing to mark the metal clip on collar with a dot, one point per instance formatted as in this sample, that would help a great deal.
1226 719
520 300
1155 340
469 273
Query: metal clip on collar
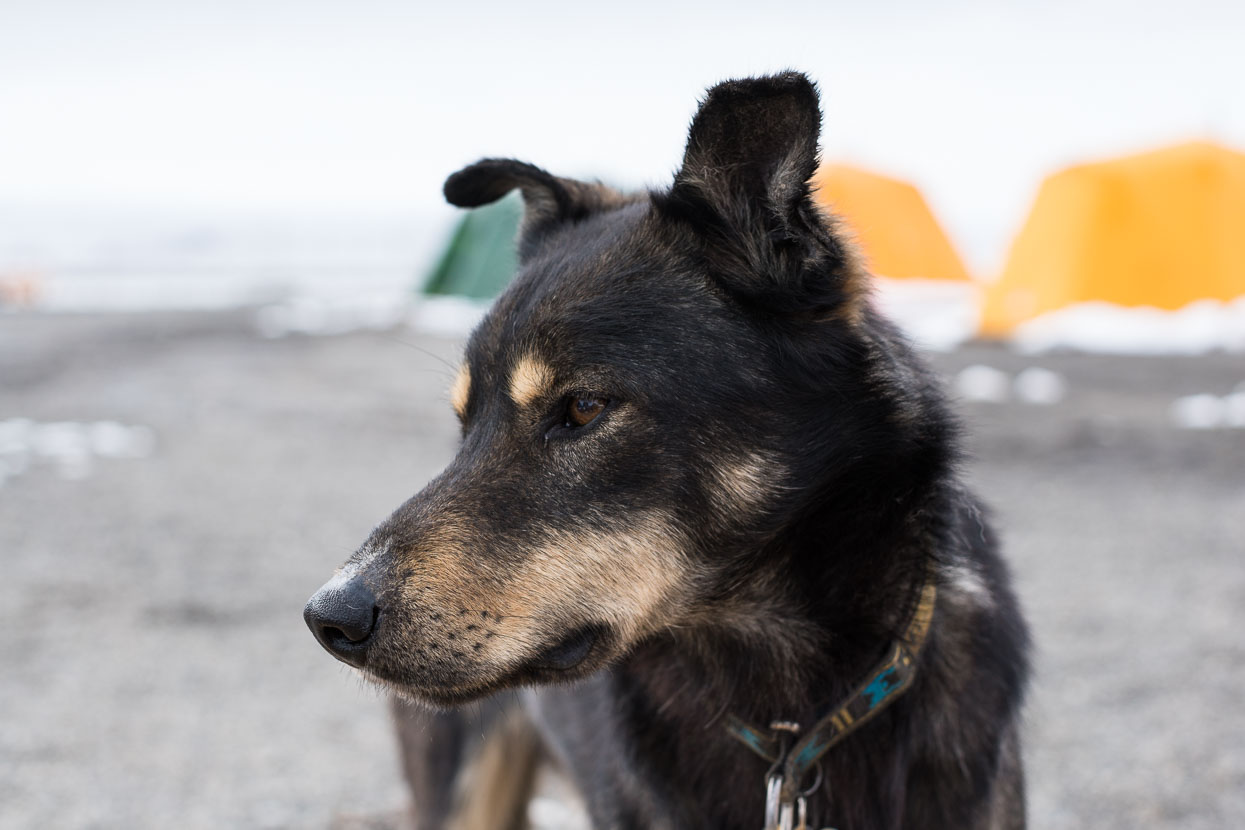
785 803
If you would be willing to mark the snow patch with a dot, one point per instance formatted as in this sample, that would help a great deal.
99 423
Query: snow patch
72 447
1206 411
980 383
1200 327
447 316
1234 410
320 316
1034 385
937 315
1040 387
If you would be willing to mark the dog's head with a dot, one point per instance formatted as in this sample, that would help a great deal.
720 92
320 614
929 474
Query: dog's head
635 416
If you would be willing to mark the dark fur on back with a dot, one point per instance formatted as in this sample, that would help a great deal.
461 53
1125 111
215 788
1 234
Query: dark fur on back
744 529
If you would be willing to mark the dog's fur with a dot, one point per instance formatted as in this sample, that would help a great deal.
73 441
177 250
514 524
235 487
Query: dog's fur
742 530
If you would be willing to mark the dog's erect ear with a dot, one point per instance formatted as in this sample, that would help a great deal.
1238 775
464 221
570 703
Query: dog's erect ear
744 184
753 144
548 200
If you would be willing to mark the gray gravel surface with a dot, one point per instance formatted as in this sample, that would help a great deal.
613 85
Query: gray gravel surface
155 671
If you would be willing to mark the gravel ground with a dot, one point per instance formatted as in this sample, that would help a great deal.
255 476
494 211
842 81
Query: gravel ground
157 672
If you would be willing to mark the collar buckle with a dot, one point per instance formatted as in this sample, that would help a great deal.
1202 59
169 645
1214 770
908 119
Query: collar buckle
792 756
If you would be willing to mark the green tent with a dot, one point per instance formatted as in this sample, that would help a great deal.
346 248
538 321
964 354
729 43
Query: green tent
480 258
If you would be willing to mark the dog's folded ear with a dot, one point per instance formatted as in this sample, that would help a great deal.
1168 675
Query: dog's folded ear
548 200
744 185
489 179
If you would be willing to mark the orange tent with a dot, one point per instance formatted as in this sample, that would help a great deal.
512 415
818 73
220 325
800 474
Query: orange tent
891 222
1159 229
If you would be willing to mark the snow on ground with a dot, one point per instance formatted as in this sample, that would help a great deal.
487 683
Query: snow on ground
70 446
1033 385
447 316
982 383
189 288
1207 411
1200 327
938 315
316 315
1040 386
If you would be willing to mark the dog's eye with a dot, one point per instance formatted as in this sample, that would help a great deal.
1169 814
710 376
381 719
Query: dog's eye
582 411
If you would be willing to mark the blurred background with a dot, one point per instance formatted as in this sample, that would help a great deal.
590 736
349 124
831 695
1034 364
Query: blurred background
231 301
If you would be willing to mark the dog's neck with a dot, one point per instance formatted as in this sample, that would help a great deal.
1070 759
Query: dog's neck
797 633
782 642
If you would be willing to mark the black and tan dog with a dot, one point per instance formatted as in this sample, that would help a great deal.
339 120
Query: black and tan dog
702 488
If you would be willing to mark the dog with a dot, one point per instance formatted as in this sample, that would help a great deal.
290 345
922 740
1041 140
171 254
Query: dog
704 545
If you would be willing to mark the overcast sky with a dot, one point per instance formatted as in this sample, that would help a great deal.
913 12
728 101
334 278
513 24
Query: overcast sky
362 108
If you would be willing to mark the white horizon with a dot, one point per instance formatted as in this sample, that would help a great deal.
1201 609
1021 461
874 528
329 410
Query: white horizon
134 113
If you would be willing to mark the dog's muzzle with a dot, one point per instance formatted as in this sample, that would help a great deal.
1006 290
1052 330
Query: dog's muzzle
343 615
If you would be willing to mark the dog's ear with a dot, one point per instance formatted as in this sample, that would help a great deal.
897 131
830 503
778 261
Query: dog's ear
744 185
753 144
548 200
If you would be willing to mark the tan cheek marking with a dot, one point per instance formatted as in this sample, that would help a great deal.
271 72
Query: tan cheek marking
744 485
630 579
460 389
625 577
529 380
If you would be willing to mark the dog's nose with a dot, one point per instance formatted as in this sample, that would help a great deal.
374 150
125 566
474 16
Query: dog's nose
342 615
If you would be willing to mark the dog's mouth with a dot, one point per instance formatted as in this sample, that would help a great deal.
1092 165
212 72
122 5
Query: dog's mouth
570 651
561 661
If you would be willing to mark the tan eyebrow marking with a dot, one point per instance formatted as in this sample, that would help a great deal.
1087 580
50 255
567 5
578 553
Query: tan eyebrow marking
460 389
529 380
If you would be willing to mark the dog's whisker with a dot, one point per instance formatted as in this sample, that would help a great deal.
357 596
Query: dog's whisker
452 368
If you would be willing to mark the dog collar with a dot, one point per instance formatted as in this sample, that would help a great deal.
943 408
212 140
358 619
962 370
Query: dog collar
883 686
